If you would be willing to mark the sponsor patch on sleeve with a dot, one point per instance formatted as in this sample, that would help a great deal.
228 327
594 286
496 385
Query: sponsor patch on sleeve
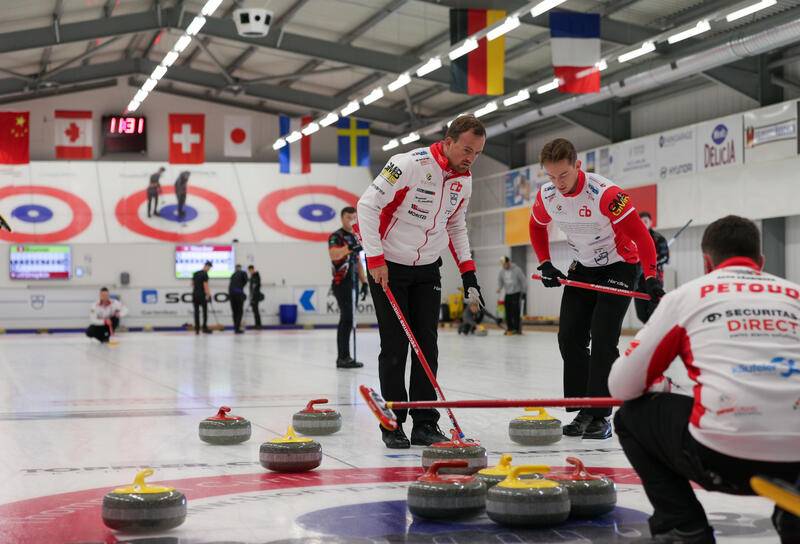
391 173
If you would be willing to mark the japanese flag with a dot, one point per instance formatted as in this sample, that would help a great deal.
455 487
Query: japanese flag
73 134
238 136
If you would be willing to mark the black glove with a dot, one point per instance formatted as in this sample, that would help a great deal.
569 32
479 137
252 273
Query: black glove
550 275
363 292
355 247
469 279
654 289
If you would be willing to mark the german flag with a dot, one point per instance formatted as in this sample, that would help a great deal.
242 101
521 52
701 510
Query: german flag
482 70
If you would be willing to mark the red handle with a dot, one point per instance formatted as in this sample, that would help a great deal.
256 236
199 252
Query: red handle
598 288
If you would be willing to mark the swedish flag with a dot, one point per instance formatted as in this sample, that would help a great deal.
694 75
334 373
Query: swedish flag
353 142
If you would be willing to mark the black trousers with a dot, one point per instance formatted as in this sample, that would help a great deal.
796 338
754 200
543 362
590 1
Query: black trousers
152 199
237 307
653 431
102 332
418 290
181 204
591 316
512 306
256 312
344 298
644 308
200 302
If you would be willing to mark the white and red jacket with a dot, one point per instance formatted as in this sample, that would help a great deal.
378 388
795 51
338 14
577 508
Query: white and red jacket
102 312
599 221
414 209
737 330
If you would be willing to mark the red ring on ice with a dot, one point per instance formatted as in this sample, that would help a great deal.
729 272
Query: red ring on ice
268 209
81 215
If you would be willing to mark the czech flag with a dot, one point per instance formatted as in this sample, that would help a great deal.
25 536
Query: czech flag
353 136
575 44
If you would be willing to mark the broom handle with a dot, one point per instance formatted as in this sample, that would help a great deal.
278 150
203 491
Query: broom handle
577 402
598 288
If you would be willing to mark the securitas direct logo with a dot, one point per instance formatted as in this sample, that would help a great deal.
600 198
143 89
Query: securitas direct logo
719 134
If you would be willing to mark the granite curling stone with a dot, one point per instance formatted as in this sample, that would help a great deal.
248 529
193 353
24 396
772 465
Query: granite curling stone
496 474
527 503
470 451
538 430
437 496
140 507
223 429
290 453
314 422
589 495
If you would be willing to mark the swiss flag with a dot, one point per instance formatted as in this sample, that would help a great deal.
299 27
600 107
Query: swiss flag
73 136
187 141
238 142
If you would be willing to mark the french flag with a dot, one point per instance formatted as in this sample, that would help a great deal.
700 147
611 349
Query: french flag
297 160
575 43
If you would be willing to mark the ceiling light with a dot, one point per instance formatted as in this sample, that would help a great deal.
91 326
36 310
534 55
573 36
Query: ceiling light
545 6
158 73
294 136
401 81
310 129
170 58
521 96
329 119
601 65
413 137
195 26
470 44
133 105
352 107
744 12
391 144
376 94
149 85
508 25
487 109
140 95
647 47
702 26
279 143
182 43
210 7
547 87
433 64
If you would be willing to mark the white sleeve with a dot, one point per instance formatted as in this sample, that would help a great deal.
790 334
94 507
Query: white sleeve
94 318
391 183
459 240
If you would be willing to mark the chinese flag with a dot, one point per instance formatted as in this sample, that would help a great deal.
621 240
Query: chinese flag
14 137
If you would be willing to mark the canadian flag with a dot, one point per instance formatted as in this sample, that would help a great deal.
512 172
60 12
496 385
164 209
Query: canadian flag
187 138
237 136
73 134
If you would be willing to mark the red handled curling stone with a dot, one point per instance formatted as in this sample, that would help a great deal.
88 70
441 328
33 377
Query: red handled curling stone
314 422
496 474
290 453
589 495
437 496
538 430
140 507
470 451
527 503
223 429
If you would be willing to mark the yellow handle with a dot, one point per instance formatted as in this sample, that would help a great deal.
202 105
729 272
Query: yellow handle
289 437
505 461
138 481
139 486
516 472
784 496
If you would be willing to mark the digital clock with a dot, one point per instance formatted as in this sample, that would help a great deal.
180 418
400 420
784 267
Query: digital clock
123 134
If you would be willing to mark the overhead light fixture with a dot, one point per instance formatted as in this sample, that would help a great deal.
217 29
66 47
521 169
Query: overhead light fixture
195 26
158 73
547 87
470 44
545 6
598 67
487 109
170 58
140 95
210 7
149 85
521 96
413 137
601 65
329 119
744 12
433 64
507 26
279 143
133 105
310 129
374 95
182 43
647 47
699 28
294 136
391 144
352 107
400 82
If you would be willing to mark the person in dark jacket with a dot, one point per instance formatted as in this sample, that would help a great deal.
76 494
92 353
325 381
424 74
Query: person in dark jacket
181 189
256 296
644 307
237 297
201 294
153 191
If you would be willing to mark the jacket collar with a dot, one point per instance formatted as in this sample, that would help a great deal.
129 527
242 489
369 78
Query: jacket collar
444 164
739 261
579 186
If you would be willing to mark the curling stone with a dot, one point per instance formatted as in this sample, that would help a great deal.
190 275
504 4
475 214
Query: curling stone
223 429
480 330
290 453
494 475
589 495
527 503
470 451
437 496
538 430
314 422
140 507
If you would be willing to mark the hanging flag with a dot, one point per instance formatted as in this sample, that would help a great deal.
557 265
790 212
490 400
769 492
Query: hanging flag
237 136
295 158
186 138
353 136
73 134
575 44
14 137
481 71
